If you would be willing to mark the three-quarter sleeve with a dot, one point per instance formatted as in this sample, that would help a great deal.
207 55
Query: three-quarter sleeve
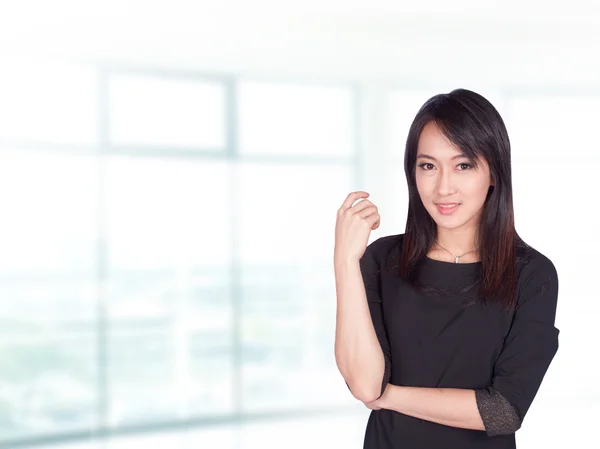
370 267
528 350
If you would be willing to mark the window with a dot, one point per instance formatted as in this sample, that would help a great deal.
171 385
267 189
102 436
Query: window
48 103
288 299
166 112
289 119
545 131
170 345
125 274
48 369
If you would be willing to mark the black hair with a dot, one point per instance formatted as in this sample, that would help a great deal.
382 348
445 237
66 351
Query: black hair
474 125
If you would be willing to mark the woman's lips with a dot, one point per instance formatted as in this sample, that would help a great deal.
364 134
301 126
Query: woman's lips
447 208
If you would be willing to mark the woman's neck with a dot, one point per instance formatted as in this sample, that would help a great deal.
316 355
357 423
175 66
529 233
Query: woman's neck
457 241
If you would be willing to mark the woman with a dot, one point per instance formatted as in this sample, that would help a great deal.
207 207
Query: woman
446 331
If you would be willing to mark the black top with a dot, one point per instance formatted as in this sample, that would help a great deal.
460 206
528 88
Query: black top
437 340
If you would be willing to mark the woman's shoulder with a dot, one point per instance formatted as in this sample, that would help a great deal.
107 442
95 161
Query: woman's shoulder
533 263
382 247
536 274
384 252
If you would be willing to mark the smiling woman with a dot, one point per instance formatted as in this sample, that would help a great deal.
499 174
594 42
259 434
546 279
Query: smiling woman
445 331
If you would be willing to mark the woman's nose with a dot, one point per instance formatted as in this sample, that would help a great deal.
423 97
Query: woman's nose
445 183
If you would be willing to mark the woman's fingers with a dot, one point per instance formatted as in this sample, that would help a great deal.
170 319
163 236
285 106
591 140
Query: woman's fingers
373 220
351 198
367 210
363 208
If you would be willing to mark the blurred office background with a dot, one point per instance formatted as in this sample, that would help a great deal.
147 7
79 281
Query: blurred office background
169 178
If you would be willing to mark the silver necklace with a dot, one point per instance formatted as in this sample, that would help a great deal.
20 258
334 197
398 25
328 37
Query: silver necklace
454 255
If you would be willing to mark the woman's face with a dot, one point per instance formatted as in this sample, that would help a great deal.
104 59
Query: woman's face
444 175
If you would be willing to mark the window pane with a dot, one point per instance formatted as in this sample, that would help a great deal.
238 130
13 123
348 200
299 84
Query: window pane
165 214
48 238
543 130
287 232
48 287
210 378
288 338
48 384
54 301
191 325
552 125
169 289
153 111
177 373
141 369
288 212
48 103
289 119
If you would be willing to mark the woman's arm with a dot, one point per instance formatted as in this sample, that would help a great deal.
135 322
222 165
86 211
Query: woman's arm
448 406
358 353
362 352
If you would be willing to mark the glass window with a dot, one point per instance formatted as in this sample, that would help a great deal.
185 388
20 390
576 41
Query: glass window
48 103
290 119
543 131
167 112
288 303
165 214
48 238
49 289
551 124
168 225
282 209
48 383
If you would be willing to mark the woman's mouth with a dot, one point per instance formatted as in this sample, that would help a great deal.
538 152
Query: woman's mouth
447 208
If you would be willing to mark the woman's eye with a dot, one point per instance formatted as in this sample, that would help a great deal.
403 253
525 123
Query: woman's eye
428 166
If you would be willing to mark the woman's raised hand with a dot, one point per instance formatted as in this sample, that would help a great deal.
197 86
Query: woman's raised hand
353 226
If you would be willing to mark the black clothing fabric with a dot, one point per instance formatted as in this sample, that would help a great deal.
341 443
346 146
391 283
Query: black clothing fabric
445 340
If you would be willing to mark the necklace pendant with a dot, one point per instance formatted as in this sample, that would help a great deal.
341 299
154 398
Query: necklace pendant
456 260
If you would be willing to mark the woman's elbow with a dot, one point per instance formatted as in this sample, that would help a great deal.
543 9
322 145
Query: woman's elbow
365 393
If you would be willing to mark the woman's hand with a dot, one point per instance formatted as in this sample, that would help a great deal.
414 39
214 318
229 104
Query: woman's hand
353 227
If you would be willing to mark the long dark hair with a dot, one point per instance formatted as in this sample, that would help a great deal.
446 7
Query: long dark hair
474 125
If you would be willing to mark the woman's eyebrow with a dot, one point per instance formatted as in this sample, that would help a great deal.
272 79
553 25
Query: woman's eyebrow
427 156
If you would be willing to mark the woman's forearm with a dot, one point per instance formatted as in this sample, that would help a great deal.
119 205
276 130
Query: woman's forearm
448 406
358 353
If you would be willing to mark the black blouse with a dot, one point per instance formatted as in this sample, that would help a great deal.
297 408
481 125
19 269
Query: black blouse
438 340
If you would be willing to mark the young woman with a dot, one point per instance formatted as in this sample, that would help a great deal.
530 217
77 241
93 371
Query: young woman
446 331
